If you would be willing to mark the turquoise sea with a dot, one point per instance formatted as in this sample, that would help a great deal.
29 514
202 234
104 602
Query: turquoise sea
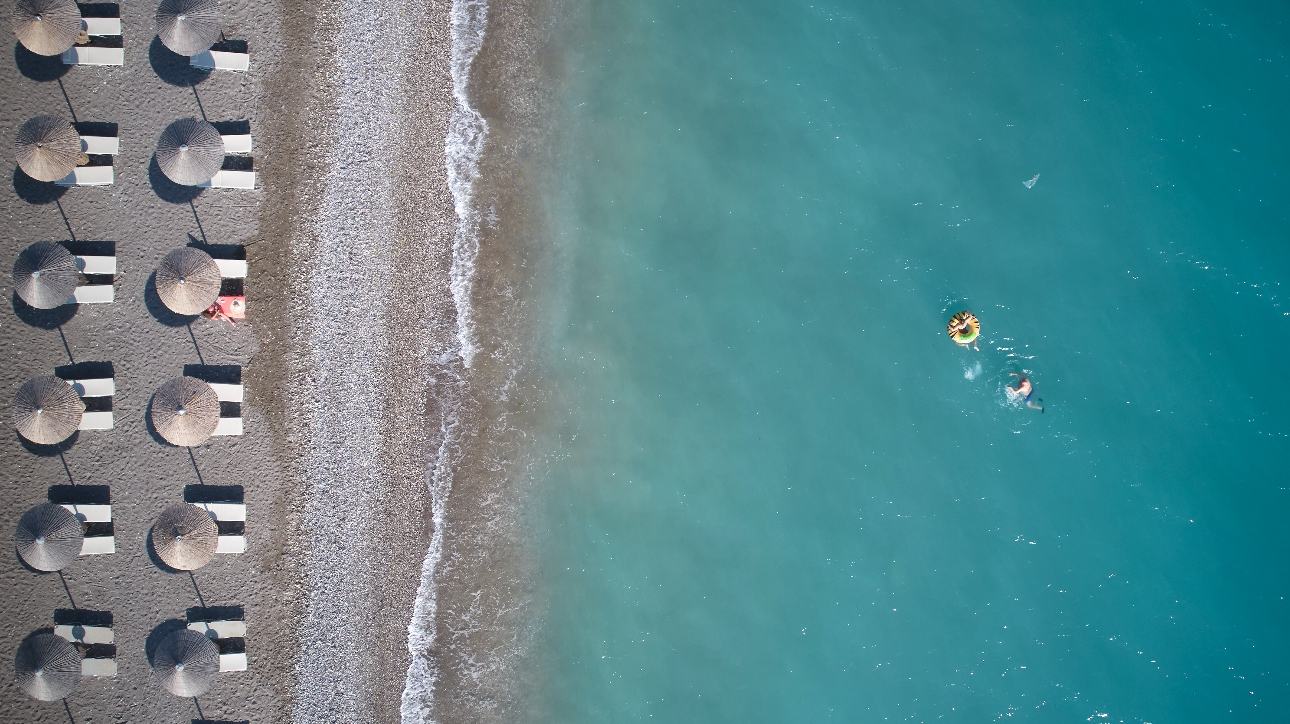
777 492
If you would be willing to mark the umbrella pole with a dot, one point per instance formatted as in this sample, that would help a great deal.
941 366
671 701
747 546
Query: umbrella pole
66 589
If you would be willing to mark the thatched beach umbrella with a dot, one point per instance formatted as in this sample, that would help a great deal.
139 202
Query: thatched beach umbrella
47 147
47 667
46 410
46 27
186 662
48 537
188 27
185 411
45 275
185 537
188 280
190 151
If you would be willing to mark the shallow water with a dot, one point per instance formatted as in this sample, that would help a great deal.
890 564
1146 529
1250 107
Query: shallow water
779 492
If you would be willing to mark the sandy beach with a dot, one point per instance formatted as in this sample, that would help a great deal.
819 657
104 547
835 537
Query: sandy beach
145 346
375 417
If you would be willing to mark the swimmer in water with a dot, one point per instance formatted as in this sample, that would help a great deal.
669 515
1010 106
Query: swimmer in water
1024 390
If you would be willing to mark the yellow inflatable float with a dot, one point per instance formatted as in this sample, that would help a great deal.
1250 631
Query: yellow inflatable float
964 328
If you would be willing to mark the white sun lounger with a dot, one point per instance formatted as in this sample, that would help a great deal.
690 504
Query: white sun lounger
90 513
88 176
105 387
98 667
232 268
98 545
235 512
232 544
81 55
232 662
230 180
219 629
220 60
93 294
85 634
101 26
96 264
228 425
227 393
238 143
100 420
95 420
109 145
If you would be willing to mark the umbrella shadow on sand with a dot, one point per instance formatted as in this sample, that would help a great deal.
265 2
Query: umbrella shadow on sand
40 68
44 318
37 192
172 67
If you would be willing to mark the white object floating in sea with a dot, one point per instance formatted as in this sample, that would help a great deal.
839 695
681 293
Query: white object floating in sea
1031 182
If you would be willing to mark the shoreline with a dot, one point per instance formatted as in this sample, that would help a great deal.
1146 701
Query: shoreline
480 647
377 426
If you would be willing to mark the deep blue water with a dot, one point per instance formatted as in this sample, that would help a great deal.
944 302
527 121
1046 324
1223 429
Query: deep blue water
780 493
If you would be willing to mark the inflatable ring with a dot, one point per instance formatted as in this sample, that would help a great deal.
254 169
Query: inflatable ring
964 328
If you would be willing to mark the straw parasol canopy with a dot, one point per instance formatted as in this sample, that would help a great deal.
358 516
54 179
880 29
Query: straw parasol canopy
47 667
48 537
45 275
186 662
185 537
188 27
190 151
188 280
185 411
47 147
46 27
46 410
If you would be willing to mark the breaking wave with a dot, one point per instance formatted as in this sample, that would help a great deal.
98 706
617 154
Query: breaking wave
464 146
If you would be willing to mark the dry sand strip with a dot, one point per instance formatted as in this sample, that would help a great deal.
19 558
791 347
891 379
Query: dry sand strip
378 309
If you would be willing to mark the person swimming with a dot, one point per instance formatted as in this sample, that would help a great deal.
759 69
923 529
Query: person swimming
1024 390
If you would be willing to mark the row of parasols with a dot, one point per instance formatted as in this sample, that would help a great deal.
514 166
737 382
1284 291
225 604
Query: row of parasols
185 411
189 152
50 27
48 667
49 537
45 276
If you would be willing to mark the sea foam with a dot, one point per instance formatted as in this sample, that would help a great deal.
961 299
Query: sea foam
463 147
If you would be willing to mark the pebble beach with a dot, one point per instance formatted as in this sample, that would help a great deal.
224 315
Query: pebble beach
351 358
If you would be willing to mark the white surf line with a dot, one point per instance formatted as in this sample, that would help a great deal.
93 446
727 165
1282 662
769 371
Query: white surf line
463 147
467 130
349 278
